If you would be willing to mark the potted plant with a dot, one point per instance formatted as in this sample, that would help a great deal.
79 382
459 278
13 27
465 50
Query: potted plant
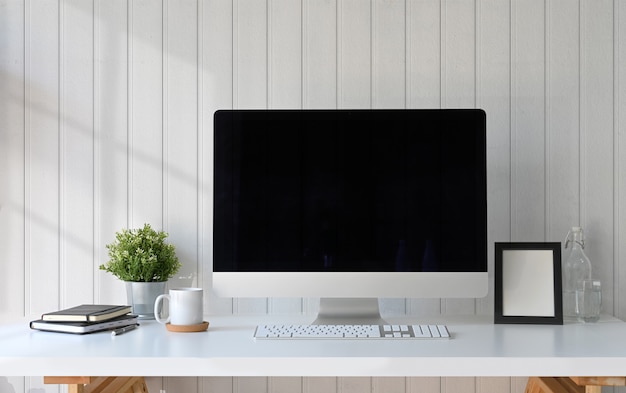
142 259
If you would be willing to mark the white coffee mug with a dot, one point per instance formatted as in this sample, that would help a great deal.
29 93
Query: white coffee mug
185 306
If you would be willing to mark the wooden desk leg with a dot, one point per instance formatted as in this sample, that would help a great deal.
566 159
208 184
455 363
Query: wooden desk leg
572 384
552 385
74 384
100 384
594 384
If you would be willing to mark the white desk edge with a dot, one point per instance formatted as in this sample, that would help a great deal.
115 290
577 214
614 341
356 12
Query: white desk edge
477 348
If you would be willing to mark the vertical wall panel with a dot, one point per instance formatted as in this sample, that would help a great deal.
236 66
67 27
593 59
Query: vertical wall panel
12 44
181 135
110 139
458 53
76 152
217 385
41 199
528 121
181 384
284 54
389 385
518 384
388 54
493 385
597 138
355 54
620 122
146 113
250 54
319 54
562 126
354 384
423 21
458 384
285 384
250 385
423 385
216 81
319 385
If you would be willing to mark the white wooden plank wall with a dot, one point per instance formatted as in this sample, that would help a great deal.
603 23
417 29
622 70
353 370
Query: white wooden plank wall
106 114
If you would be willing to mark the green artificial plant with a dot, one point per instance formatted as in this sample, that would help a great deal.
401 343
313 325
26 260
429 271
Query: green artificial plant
141 255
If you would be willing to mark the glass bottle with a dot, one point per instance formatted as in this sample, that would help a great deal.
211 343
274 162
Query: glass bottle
576 268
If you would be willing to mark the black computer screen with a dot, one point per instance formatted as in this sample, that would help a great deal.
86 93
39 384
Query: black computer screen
350 191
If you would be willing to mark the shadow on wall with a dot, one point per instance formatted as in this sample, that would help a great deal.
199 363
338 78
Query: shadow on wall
5 386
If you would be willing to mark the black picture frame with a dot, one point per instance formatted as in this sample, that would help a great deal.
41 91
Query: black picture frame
528 283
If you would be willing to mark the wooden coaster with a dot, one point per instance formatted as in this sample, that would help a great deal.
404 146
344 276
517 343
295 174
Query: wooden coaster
187 328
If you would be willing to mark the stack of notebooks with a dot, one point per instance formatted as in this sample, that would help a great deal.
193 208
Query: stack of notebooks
86 318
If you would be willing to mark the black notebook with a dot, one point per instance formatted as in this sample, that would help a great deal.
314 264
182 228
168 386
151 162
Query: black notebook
84 327
87 313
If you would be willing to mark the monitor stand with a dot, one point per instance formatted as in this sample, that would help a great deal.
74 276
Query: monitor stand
349 311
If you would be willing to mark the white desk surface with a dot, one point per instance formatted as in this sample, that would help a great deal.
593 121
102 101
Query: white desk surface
477 348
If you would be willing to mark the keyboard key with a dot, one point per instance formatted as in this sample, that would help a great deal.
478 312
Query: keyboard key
443 330
433 331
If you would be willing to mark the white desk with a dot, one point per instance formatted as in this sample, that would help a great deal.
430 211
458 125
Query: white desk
477 348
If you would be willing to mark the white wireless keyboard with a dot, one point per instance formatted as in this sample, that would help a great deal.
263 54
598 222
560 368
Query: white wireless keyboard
351 332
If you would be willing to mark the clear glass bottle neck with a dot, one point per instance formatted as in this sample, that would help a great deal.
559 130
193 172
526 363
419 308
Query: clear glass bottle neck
575 239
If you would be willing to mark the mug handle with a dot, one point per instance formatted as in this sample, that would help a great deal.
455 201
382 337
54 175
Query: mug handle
157 308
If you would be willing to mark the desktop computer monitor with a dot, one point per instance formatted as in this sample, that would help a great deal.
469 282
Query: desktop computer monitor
344 204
